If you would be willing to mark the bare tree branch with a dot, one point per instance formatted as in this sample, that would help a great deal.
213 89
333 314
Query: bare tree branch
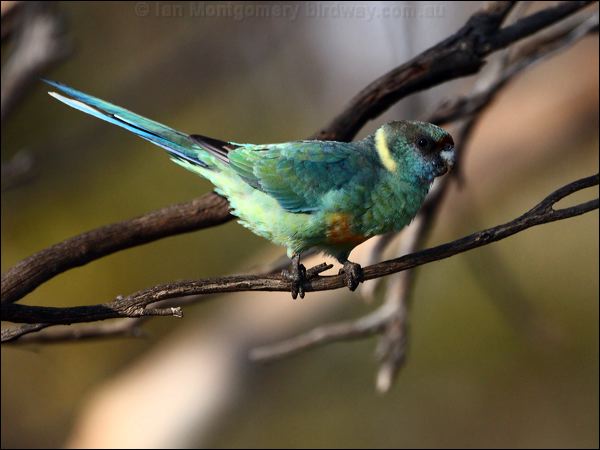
459 55
12 334
29 333
543 212
527 56
391 348
393 329
203 212
447 60
354 329
135 305
40 44
124 327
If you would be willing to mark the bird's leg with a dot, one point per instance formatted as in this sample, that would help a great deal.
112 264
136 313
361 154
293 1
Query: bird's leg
297 276
353 274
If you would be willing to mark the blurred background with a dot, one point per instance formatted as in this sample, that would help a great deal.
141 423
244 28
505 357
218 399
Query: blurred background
504 339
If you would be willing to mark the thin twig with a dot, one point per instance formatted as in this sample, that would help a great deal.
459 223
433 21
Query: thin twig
25 334
12 334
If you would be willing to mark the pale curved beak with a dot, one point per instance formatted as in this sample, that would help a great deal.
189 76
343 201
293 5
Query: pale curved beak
447 155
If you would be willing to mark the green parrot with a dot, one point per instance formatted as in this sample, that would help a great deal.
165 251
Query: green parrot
308 194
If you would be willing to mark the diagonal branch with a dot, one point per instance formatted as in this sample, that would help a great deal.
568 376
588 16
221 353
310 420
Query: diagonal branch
25 276
373 323
460 55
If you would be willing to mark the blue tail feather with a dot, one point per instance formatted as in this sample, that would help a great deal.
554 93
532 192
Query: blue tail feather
179 145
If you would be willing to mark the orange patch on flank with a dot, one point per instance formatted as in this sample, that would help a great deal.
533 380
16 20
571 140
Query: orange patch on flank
340 232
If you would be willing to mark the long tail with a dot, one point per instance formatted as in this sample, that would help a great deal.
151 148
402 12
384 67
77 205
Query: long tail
182 147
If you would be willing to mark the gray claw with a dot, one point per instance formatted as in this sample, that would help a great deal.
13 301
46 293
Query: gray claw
297 276
353 274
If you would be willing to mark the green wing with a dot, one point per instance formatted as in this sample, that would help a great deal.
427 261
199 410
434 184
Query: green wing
299 174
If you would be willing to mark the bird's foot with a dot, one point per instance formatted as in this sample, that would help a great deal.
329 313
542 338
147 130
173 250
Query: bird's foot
298 275
353 274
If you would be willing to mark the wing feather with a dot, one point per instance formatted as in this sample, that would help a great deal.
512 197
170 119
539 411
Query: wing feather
299 174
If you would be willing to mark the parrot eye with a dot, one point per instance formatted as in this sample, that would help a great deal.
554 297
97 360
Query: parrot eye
423 143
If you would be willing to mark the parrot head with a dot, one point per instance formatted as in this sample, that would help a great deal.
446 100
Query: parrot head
421 148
